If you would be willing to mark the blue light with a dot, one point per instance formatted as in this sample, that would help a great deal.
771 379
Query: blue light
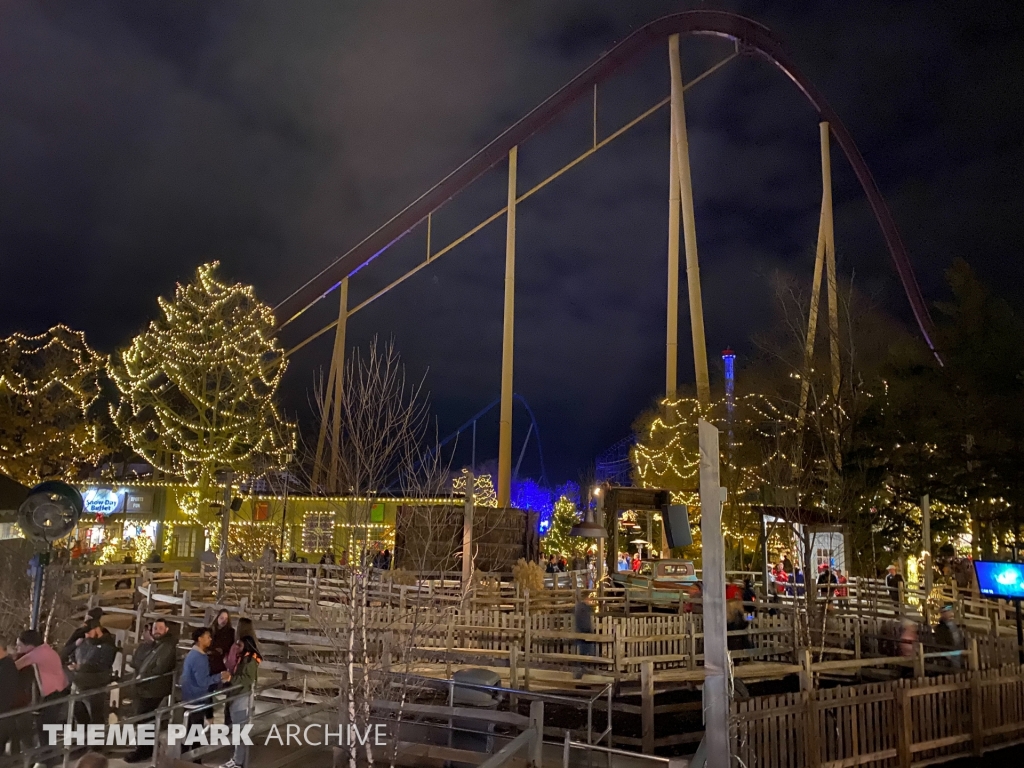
531 495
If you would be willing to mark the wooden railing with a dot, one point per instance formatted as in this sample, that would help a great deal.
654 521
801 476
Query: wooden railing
905 722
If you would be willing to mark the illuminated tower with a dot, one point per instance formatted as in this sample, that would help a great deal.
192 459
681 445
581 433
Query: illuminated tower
729 362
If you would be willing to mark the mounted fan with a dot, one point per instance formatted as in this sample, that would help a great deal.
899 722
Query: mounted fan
50 512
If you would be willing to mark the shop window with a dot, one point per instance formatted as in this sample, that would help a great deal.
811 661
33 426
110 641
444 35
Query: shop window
318 531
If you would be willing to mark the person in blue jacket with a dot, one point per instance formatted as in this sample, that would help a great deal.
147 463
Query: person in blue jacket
196 680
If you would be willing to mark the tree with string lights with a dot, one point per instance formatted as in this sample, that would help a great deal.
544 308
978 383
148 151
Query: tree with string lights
198 386
49 389
559 539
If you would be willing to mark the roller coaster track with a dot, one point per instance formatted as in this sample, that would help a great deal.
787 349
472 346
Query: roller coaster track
750 37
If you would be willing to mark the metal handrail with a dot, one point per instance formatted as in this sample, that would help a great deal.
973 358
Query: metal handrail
605 692
72 697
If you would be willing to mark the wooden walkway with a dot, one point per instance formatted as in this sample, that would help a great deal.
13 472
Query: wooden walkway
645 648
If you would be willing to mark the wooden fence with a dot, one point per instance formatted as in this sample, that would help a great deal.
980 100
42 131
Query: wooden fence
900 723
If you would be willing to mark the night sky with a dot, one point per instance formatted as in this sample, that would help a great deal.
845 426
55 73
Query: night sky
139 139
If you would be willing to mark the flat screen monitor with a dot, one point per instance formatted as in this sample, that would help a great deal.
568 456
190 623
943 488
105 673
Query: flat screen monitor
1005 580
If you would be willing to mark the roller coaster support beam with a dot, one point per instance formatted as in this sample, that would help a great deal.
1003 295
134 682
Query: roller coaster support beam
333 395
679 139
749 35
508 326
828 230
672 325
812 316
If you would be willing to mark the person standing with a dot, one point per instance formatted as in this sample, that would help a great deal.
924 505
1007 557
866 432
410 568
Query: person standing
781 579
246 659
583 624
154 662
53 683
223 638
67 653
196 679
949 635
93 670
893 582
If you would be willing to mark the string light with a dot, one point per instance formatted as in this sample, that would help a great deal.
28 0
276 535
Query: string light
484 494
48 383
198 386
667 455
558 540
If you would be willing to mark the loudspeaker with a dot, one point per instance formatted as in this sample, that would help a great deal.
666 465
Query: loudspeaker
677 525
236 504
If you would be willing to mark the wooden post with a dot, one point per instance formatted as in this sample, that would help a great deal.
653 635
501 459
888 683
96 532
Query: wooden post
691 631
528 641
177 583
806 671
140 620
618 649
448 644
385 652
314 604
537 724
811 729
905 726
977 702
186 607
647 706
513 669
919 660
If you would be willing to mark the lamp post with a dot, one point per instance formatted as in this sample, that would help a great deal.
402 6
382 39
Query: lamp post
590 529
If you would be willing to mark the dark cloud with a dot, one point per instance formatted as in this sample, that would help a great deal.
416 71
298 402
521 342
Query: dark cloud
140 139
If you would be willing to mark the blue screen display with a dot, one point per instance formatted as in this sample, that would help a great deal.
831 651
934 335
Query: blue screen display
1000 579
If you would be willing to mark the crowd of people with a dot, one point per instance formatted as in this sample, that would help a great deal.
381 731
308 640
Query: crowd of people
36 677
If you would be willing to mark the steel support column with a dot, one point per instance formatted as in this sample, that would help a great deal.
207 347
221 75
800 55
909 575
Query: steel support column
505 418
467 530
672 321
679 138
338 395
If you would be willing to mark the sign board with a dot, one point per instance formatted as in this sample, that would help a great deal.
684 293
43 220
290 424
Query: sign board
138 501
103 501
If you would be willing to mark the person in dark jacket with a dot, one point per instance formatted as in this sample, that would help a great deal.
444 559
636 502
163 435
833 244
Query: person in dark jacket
154 663
8 697
223 638
949 635
93 669
893 582
67 653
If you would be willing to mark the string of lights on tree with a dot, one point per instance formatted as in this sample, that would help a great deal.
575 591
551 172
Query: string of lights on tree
48 384
198 386
667 455
484 493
